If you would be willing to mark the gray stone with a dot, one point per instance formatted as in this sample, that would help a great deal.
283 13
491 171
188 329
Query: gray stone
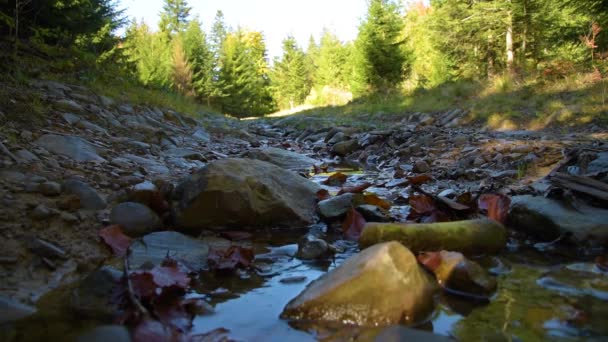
12 176
547 219
336 206
42 212
345 147
149 165
26 135
73 147
70 118
244 193
186 153
50 188
311 247
11 310
336 138
420 166
26 156
382 285
153 248
113 333
282 158
372 213
106 101
93 296
201 135
600 164
135 218
126 108
68 106
84 124
89 198
69 218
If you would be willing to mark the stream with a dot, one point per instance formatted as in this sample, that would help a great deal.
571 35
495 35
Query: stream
545 291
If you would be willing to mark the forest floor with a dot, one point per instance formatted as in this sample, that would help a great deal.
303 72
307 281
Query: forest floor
72 157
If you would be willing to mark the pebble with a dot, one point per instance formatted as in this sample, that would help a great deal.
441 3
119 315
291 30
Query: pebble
420 166
41 212
50 189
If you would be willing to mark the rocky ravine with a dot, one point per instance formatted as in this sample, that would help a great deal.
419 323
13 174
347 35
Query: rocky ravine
94 162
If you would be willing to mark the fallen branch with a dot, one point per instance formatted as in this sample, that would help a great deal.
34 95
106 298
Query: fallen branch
581 184
134 300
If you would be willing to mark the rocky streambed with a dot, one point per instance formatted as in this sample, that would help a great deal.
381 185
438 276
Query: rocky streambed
214 229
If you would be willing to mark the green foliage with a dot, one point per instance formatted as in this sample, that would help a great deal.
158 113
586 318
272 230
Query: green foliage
200 58
289 76
150 54
174 17
379 58
332 62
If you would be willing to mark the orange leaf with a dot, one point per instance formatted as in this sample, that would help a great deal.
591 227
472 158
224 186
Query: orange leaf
355 189
353 225
373 199
419 179
430 260
116 239
323 194
336 179
496 205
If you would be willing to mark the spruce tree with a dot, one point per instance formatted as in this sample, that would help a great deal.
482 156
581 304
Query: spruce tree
199 56
174 17
290 75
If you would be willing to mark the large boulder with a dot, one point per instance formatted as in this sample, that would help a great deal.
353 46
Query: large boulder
547 219
73 147
286 159
382 285
244 193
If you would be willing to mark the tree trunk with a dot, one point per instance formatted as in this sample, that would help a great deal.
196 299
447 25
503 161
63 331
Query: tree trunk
509 41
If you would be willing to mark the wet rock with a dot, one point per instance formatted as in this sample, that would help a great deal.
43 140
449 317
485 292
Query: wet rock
11 310
136 219
73 147
244 193
93 296
600 164
463 276
26 156
372 213
336 206
89 198
547 219
311 247
420 166
282 158
398 333
153 248
114 333
351 293
50 188
345 148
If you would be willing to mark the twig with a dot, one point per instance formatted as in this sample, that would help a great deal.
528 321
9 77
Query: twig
8 153
132 296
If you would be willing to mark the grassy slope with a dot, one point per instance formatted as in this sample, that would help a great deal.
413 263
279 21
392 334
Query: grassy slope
502 103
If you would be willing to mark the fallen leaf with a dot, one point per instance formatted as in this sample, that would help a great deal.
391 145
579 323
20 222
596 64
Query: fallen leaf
116 239
419 179
430 260
373 199
355 189
323 194
496 206
466 199
335 179
316 169
171 311
150 330
146 283
422 204
353 224
230 259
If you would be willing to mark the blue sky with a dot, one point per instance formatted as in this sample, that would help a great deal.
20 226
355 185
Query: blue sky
275 18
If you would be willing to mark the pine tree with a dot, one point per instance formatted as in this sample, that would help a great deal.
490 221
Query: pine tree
380 57
219 31
311 57
182 71
199 56
174 17
150 54
331 62
290 75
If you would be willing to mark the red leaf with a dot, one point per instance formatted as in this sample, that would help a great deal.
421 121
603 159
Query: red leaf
171 311
373 199
419 179
422 204
152 331
143 284
355 189
146 283
230 259
336 179
430 260
323 194
496 205
353 225
116 239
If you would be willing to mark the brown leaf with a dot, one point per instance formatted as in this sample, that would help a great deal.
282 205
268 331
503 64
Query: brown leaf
419 179
336 179
146 283
430 260
355 189
353 225
115 239
230 259
496 206
466 199
323 194
373 199
422 204
171 311
316 169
